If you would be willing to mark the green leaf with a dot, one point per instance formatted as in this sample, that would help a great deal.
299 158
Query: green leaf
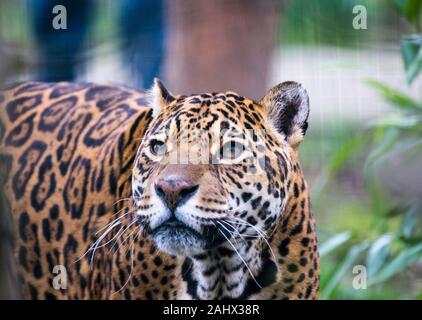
398 121
398 209
411 10
411 219
379 197
337 161
378 253
403 260
387 142
344 266
334 242
391 148
411 49
345 153
395 97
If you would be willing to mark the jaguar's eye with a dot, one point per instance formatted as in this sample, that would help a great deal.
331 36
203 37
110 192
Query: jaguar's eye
231 150
158 148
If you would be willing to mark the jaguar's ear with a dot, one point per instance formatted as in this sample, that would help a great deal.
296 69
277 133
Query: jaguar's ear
160 97
287 108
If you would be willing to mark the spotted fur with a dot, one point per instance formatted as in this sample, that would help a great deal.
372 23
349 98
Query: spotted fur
84 192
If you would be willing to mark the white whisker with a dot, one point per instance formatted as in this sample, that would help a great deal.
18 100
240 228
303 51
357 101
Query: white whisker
131 263
124 240
261 233
244 262
96 243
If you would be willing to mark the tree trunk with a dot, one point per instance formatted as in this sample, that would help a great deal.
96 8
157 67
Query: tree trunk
221 45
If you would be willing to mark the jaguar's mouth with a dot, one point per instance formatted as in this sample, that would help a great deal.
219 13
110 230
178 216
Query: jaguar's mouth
176 238
173 226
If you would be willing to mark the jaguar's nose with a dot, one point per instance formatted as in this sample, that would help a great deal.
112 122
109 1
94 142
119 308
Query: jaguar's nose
175 191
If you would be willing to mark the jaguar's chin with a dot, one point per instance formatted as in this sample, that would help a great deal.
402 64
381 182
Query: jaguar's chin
176 238
179 242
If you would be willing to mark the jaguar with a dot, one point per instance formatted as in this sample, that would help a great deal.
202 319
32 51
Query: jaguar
117 193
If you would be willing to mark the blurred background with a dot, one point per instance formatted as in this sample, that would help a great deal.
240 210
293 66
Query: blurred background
359 60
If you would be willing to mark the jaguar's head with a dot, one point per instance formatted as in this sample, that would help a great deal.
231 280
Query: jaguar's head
215 168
